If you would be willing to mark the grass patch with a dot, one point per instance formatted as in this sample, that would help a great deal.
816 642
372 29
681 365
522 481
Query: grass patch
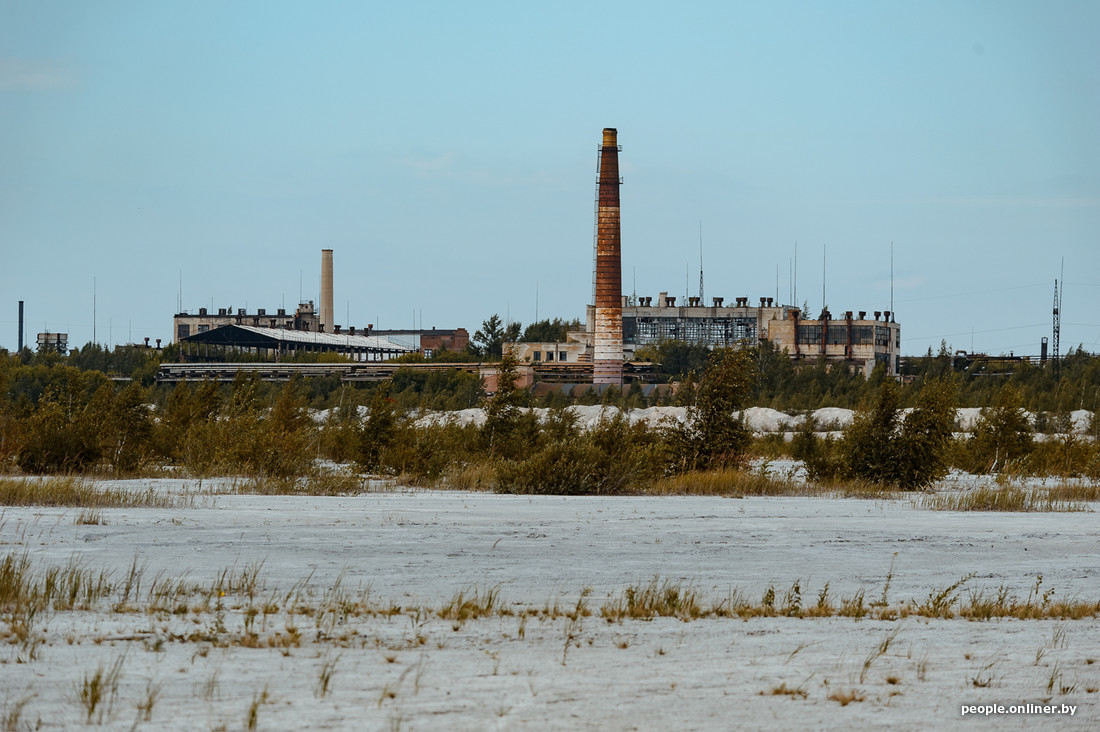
97 692
654 599
1075 492
844 698
320 484
741 483
1005 498
234 609
78 492
472 604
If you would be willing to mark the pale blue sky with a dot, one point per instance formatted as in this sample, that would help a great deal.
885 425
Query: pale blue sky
447 152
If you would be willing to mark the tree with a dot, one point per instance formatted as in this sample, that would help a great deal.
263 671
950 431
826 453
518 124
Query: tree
675 358
712 437
61 435
869 444
1002 434
490 337
549 331
379 429
508 430
926 436
127 434
879 448
512 332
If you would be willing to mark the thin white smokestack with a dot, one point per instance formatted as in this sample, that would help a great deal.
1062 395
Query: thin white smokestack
326 290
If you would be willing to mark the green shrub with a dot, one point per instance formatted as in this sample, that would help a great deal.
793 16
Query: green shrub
712 437
612 458
61 436
1002 434
911 455
821 457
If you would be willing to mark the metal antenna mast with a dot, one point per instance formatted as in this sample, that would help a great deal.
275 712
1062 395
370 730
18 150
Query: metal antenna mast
891 277
794 297
1058 320
700 262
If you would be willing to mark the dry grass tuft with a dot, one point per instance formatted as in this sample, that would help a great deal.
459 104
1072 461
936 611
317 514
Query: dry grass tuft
741 483
784 690
78 492
654 599
320 484
471 604
844 698
1004 498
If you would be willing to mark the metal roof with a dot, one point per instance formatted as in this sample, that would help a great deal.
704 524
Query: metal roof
251 336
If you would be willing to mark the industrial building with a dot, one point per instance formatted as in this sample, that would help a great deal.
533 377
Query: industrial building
851 339
616 326
207 335
52 342
277 343
303 319
428 341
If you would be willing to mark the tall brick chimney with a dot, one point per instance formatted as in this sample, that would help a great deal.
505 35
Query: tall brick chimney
607 366
326 317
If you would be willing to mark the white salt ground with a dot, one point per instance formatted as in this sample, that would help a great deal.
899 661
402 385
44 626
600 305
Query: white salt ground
418 547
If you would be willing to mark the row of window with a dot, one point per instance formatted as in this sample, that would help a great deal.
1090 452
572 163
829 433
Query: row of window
538 356
837 335
709 331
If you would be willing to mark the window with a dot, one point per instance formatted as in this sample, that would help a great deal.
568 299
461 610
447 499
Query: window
204 328
809 334
562 356
537 355
182 331
837 335
428 352
863 335
549 355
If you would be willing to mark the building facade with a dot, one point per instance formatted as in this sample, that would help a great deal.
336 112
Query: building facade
853 339
304 318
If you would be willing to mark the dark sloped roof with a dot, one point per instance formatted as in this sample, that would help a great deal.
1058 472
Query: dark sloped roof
250 336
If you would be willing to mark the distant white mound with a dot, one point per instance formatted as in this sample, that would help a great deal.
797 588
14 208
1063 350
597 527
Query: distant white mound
763 419
830 416
655 416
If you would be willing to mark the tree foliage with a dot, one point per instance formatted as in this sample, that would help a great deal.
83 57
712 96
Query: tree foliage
1002 434
712 437
488 340
881 448
550 331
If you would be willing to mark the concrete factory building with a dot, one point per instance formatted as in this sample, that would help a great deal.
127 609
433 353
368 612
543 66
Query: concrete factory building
276 343
208 335
303 319
852 339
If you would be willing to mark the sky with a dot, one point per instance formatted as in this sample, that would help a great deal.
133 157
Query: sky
940 156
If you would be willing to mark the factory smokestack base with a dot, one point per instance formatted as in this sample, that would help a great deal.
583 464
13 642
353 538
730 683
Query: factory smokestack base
326 318
607 362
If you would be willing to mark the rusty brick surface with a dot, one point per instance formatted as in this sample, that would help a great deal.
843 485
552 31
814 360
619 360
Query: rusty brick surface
608 352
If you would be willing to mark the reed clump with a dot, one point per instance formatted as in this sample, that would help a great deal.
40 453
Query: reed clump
78 492
1005 498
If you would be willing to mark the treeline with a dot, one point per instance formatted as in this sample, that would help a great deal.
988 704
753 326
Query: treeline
779 382
66 420
82 422
792 387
